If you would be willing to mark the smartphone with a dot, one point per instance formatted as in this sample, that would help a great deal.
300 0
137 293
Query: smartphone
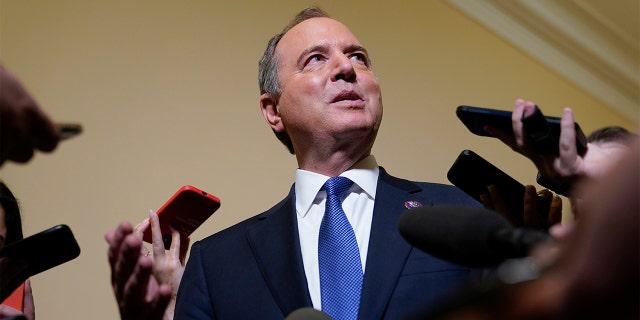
69 130
44 250
473 175
16 299
475 119
185 211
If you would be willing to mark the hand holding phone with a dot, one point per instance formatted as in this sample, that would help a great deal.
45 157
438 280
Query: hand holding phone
185 211
543 131
41 251
473 175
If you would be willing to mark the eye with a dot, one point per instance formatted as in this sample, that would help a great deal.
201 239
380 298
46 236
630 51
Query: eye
360 57
312 59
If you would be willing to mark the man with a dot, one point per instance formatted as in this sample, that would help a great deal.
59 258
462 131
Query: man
322 100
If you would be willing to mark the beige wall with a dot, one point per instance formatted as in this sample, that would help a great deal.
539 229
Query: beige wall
167 94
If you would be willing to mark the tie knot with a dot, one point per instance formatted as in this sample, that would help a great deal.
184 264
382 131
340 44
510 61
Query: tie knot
337 186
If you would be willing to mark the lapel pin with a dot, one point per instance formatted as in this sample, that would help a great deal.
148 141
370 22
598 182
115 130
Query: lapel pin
412 204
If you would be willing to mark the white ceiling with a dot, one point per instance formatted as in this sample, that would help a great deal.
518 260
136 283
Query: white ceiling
593 43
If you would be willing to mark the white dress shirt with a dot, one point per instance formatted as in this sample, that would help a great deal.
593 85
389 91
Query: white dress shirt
310 205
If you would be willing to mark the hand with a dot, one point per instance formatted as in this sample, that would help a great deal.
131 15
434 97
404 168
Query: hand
569 164
24 126
167 268
139 295
533 215
29 308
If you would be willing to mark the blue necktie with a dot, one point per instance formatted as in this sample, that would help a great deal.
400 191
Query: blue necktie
338 256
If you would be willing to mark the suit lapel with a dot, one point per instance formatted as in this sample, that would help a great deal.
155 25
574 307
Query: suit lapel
388 251
275 245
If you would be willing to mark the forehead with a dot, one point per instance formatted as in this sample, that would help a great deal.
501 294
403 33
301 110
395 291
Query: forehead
314 32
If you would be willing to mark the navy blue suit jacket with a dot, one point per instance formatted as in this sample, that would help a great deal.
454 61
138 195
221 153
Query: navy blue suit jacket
254 269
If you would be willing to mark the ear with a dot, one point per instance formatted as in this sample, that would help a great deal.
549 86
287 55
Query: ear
270 112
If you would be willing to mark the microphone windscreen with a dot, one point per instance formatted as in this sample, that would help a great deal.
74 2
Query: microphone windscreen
462 235
308 313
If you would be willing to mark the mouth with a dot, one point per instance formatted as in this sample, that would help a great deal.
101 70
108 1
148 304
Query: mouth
347 96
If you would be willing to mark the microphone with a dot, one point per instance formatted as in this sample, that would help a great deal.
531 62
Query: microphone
307 313
469 236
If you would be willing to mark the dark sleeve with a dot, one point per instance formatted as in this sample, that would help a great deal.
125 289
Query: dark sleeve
193 301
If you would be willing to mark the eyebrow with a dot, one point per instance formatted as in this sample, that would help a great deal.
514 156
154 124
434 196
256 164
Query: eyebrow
322 48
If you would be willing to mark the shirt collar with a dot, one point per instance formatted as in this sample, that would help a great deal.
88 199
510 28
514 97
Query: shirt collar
364 175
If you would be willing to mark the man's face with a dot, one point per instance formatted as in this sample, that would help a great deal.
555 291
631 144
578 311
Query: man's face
329 92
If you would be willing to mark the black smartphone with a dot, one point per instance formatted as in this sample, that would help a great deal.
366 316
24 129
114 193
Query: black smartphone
44 250
473 175
69 130
185 211
476 118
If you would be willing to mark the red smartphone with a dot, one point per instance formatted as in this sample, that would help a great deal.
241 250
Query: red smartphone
185 211
16 299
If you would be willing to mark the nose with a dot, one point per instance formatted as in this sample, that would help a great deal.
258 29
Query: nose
343 69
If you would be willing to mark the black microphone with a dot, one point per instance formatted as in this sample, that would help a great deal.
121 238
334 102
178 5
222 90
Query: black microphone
469 236
307 313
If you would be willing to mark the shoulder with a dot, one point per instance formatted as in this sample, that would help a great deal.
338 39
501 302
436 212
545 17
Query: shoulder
438 193
237 232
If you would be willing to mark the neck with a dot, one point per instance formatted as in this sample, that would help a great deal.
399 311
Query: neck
332 164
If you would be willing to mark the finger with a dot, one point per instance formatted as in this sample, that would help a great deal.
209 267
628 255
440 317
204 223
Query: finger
20 150
142 226
45 134
184 247
174 250
132 301
159 302
560 231
6 311
28 305
568 152
115 239
531 219
555 211
156 235
127 261
486 201
500 205
516 121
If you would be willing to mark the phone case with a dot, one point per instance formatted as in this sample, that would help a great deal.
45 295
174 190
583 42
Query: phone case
16 299
475 119
185 211
473 174
44 250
